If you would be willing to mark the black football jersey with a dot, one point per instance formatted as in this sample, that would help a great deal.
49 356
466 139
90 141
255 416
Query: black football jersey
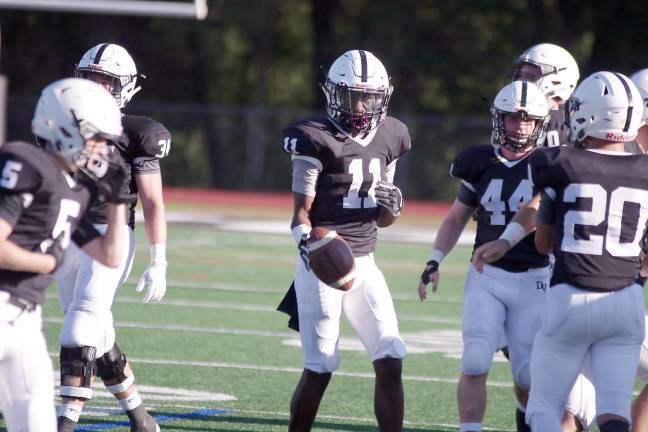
557 130
40 202
344 196
497 188
147 142
600 202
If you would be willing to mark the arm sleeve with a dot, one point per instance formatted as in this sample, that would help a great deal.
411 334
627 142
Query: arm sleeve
305 174
85 232
547 210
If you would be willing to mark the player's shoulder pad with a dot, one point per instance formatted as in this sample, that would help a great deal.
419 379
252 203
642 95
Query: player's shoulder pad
23 167
398 134
313 137
470 163
146 137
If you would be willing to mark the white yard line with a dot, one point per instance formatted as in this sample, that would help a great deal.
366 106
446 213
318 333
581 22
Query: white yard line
294 370
260 308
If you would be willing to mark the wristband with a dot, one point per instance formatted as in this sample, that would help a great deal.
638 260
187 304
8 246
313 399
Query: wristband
158 253
436 255
513 234
299 231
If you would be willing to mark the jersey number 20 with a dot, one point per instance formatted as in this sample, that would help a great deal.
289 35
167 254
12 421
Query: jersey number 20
596 216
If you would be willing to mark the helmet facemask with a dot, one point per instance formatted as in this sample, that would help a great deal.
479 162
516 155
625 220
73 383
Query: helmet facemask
122 88
357 110
512 141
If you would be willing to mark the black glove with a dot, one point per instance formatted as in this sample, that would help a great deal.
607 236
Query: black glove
113 185
56 250
389 196
431 266
303 251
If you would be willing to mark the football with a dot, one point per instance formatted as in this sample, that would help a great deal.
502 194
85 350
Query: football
331 258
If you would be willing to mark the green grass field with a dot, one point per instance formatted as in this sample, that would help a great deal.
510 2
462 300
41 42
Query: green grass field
215 356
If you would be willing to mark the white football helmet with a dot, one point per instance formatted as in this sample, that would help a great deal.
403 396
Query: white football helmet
558 70
71 111
357 91
523 99
606 105
112 61
640 79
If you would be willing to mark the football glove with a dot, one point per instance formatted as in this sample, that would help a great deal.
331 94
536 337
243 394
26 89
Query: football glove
389 196
113 185
154 279
303 251
431 266
56 250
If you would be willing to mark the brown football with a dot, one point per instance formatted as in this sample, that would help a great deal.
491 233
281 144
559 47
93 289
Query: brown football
331 258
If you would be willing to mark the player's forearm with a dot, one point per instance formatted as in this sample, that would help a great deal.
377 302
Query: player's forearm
155 221
448 234
527 215
16 258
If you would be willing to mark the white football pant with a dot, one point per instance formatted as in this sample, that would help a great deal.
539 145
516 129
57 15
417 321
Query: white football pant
86 291
368 307
26 377
607 326
582 398
494 300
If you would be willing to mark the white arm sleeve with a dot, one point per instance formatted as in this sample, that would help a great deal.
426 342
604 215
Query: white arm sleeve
391 171
305 173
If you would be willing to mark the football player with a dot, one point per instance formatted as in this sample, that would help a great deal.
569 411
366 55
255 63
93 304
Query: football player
42 210
581 405
592 215
343 171
556 73
86 288
508 294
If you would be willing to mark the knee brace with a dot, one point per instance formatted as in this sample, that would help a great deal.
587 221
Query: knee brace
477 357
615 426
111 366
78 362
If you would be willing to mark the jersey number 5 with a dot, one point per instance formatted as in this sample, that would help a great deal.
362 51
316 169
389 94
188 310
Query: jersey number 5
69 209
9 178
358 196
612 239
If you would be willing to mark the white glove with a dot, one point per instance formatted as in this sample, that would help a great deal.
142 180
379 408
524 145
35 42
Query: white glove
154 277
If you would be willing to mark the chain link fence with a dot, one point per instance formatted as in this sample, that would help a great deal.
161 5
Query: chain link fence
240 147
